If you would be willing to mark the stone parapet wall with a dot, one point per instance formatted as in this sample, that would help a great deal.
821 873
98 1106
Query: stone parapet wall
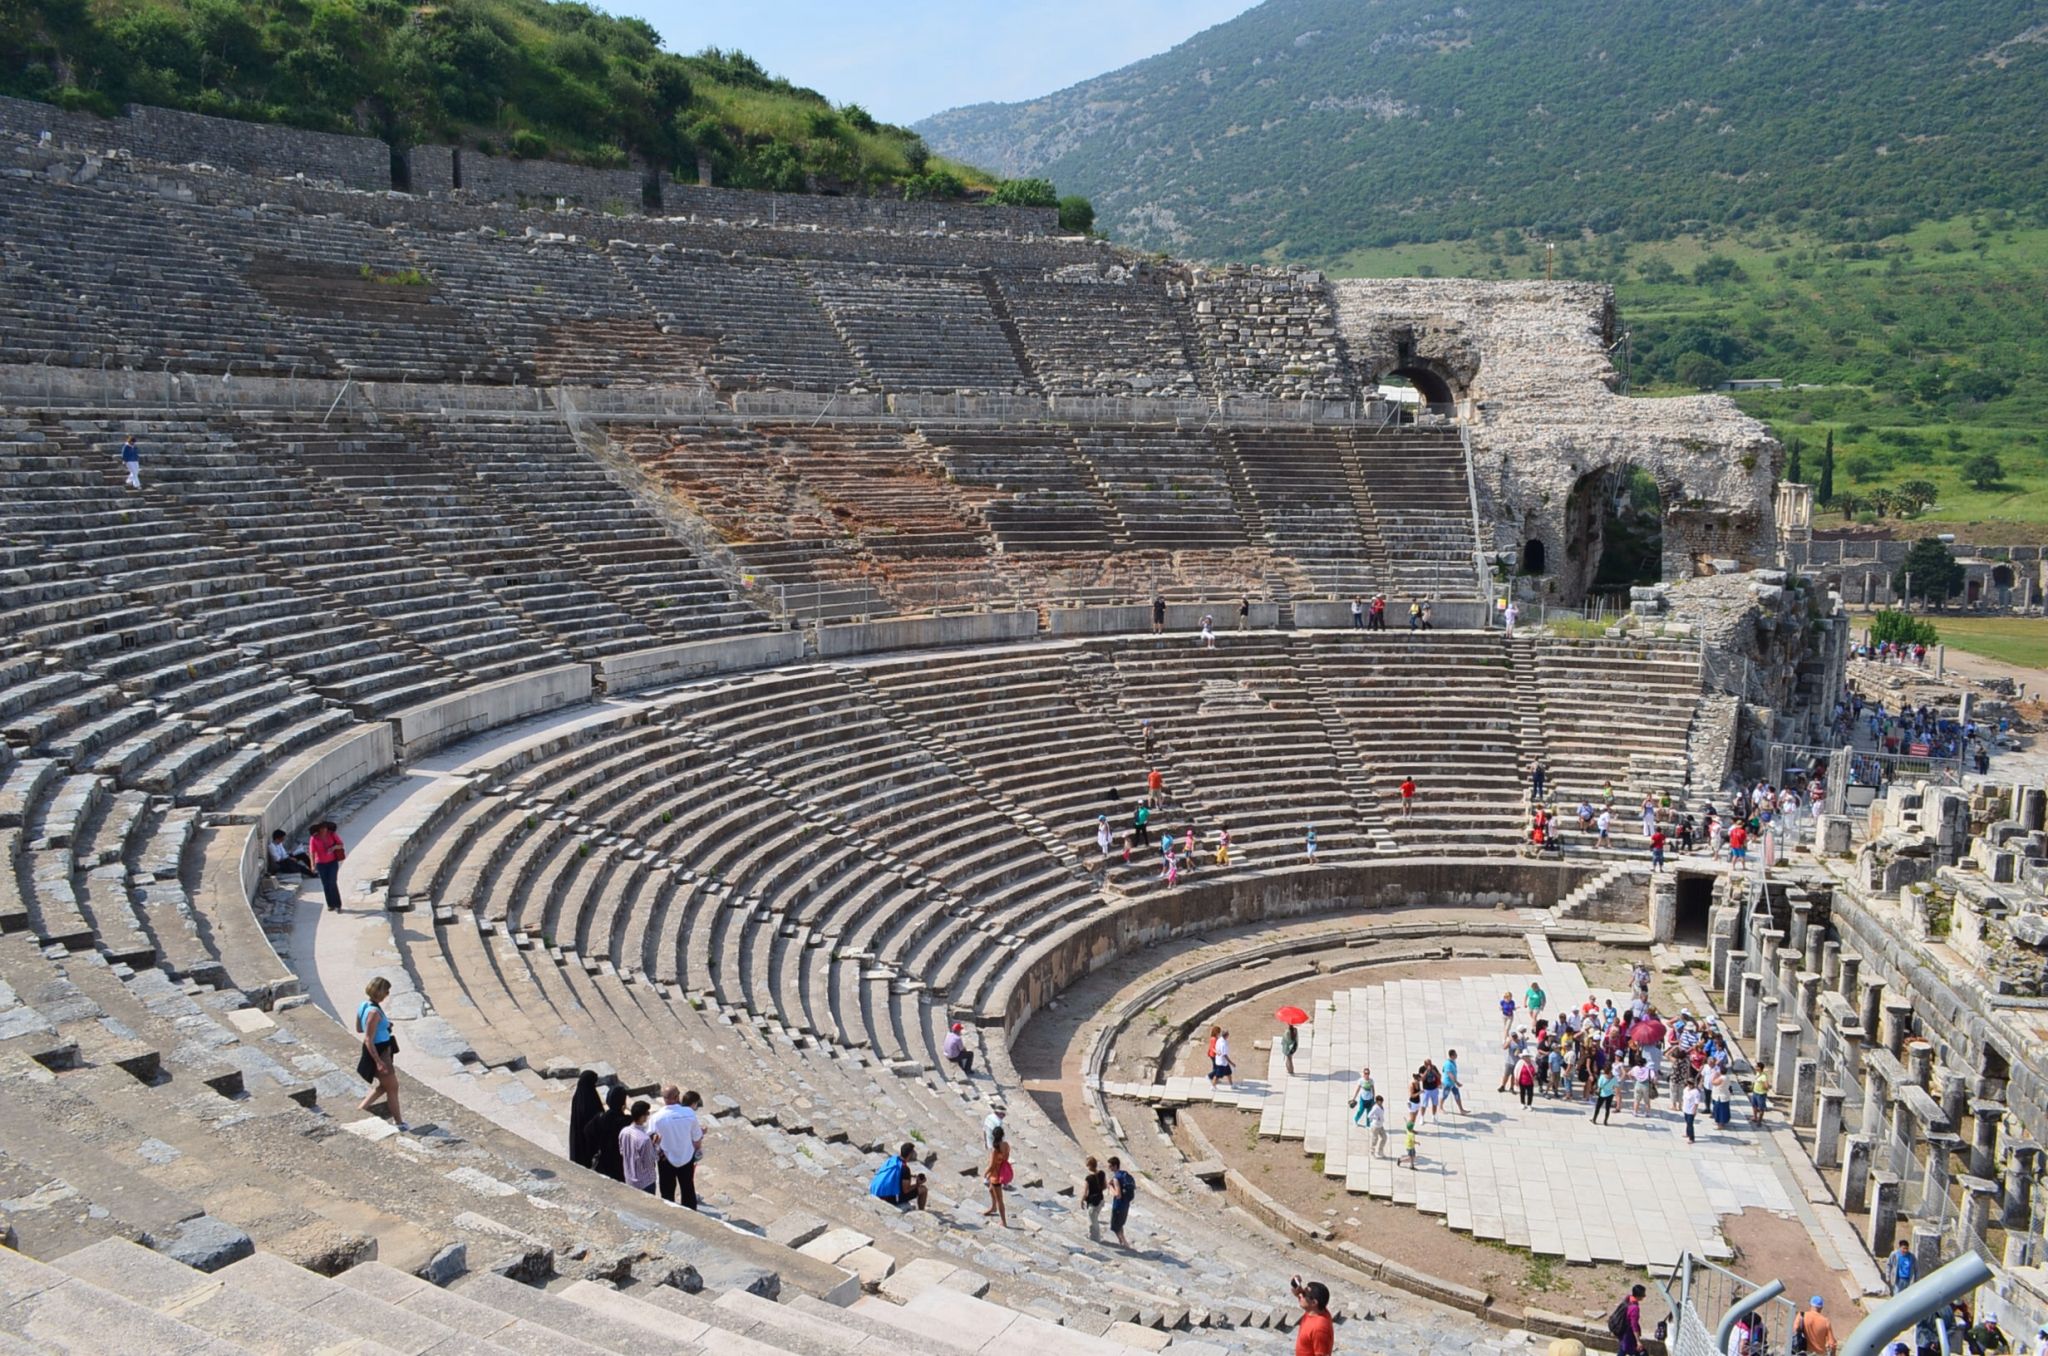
853 213
175 138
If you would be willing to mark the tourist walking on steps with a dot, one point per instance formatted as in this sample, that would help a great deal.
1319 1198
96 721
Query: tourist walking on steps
1379 612
1411 1146
1376 1125
1534 999
131 460
1537 774
326 849
1357 614
1219 1061
605 1131
1313 1334
1158 614
1689 1108
1407 796
1452 1090
377 1064
1525 1081
990 1124
1123 1189
1244 613
1415 614
1208 632
1290 1041
1507 1022
1657 851
1140 817
1603 824
956 1050
1094 1191
679 1134
1103 837
1309 847
998 1174
1362 1095
1508 615
584 1106
636 1150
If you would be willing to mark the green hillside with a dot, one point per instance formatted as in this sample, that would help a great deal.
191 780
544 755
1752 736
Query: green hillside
1305 128
515 77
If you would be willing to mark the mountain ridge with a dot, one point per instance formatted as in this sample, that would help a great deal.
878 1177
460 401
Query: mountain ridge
1561 118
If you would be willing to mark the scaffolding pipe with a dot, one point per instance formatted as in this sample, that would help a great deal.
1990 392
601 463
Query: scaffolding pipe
1743 1308
1922 1299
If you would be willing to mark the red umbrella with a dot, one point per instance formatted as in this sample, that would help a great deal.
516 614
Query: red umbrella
1649 1031
1292 1016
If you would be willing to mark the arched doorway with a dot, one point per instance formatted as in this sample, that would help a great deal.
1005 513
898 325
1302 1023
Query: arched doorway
1535 558
1430 384
1614 533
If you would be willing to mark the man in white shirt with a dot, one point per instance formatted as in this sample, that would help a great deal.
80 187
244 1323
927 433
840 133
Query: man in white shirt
679 1135
990 1124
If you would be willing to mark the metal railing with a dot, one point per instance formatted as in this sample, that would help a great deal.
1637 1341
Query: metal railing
1700 1292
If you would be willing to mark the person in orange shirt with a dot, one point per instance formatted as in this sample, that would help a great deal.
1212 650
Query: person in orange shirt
1155 786
1407 796
1314 1336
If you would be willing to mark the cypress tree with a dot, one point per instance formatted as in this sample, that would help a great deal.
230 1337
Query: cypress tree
1826 493
1795 466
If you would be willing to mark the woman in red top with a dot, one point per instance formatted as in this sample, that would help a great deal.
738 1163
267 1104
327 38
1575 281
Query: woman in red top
327 852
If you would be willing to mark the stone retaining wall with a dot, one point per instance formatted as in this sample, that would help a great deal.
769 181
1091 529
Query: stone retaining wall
235 868
1053 964
432 725
176 138
642 669
921 633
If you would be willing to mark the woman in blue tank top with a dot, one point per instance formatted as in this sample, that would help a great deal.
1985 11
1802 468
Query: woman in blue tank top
377 1064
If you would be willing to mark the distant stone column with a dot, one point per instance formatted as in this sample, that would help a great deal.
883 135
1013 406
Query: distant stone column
1980 1194
1855 1185
1724 946
1805 1078
1809 998
1851 971
1766 1024
1926 1249
1732 977
2023 1158
1827 1138
1752 1000
1898 1025
1985 1117
1787 1057
1869 1009
1876 1104
1831 963
1884 1213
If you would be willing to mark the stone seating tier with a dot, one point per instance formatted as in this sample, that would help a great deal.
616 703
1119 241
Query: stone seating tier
217 277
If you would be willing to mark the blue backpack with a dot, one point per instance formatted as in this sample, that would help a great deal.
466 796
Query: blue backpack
887 1182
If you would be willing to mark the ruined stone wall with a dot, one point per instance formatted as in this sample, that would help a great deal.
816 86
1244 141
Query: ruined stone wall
176 138
1529 365
889 214
1271 333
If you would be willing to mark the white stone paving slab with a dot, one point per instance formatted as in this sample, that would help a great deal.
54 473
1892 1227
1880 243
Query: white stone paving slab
1546 1178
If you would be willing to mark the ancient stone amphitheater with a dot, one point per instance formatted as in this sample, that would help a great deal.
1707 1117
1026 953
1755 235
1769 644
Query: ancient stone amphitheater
717 636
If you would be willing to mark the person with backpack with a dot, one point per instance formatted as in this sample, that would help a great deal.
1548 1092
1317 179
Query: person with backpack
1625 1324
895 1183
1123 1190
1094 1191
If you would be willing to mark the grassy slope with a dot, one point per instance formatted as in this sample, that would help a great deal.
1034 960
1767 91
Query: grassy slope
1859 335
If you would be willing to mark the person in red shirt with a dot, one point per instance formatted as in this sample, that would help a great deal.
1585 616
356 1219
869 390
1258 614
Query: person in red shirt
1657 850
1738 843
325 847
1155 783
1407 796
1315 1336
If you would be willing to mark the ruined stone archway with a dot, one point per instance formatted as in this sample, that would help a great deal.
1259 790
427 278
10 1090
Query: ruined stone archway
1434 386
1535 557
1613 533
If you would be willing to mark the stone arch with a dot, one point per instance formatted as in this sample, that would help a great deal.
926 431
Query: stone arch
1433 382
2001 577
1535 557
1614 531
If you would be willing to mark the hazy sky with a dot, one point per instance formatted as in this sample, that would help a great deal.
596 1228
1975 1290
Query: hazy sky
906 59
